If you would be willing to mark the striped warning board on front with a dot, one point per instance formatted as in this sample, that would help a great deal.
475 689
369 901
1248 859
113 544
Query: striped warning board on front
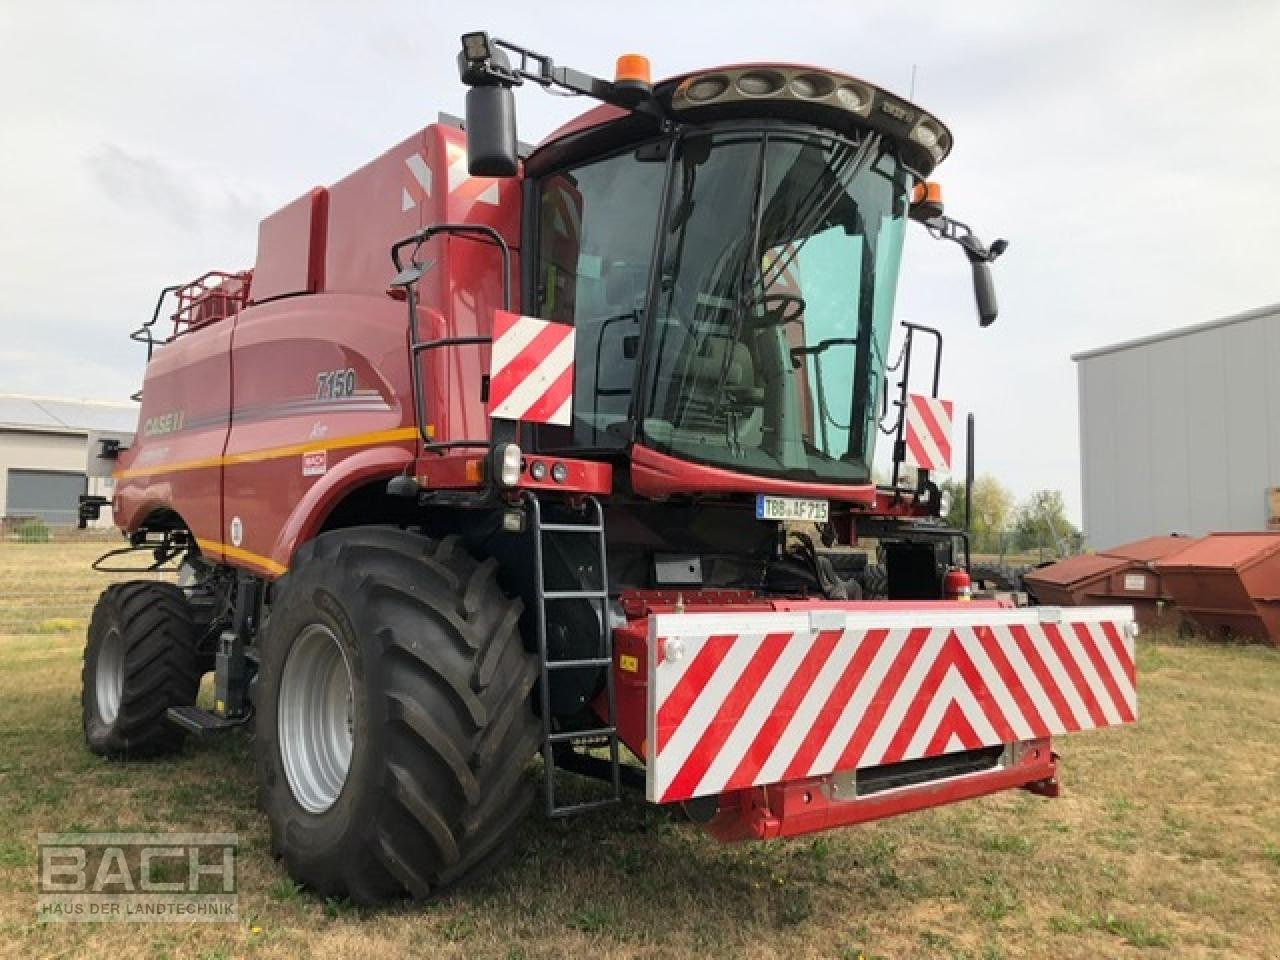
531 370
928 432
743 700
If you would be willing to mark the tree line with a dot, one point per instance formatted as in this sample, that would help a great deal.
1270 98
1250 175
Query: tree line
1003 524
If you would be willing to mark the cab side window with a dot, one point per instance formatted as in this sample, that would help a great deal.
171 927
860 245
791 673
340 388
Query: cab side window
596 228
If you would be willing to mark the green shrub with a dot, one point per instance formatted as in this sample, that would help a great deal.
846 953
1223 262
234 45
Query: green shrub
34 531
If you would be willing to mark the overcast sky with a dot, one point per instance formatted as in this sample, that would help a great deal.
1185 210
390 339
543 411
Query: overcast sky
1127 151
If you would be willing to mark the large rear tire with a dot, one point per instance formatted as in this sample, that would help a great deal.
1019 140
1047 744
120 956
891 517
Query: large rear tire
394 720
141 658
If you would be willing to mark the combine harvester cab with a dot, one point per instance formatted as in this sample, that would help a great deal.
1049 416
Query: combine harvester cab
497 452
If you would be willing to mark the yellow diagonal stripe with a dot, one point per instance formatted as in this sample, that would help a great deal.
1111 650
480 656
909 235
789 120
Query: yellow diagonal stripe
245 556
272 453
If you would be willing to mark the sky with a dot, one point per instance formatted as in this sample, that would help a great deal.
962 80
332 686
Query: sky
1126 151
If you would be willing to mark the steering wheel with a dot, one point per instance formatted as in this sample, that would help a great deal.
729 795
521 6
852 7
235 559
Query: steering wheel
779 309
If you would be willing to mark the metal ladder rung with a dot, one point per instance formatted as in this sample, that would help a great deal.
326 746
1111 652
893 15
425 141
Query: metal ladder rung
578 664
574 595
551 740
571 528
583 807
568 735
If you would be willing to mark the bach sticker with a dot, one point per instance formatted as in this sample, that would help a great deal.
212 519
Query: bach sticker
315 464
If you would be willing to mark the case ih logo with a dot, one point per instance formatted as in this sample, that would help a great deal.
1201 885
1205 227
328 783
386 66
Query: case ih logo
531 370
929 432
158 426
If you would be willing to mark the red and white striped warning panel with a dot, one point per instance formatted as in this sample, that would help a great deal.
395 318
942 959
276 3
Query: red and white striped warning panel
531 370
928 432
740 700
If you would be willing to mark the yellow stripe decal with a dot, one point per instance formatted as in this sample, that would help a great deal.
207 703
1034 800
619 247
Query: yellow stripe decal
273 453
245 556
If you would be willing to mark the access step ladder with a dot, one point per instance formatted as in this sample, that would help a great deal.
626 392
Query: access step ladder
557 746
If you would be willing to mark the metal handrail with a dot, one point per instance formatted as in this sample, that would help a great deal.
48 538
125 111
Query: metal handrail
418 346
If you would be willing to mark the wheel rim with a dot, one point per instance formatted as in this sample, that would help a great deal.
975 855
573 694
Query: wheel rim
316 720
109 676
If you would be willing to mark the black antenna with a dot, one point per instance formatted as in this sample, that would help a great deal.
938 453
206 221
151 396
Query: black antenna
968 475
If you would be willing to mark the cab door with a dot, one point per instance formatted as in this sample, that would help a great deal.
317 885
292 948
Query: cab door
594 246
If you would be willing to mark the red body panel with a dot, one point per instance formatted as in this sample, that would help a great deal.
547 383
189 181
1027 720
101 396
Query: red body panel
655 474
278 352
291 248
175 462
807 806
252 427
449 471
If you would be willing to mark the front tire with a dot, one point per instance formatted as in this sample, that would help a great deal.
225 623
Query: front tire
394 720
141 658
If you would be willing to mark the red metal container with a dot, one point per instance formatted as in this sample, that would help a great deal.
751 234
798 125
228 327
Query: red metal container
1228 583
1121 575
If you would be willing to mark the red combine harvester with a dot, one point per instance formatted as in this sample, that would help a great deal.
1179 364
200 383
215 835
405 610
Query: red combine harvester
498 450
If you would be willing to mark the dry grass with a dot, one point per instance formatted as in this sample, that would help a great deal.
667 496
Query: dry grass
1166 842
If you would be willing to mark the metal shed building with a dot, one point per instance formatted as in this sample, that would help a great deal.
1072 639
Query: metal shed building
1180 432
44 447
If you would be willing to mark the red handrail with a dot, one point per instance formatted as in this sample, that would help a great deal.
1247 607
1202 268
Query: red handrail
212 297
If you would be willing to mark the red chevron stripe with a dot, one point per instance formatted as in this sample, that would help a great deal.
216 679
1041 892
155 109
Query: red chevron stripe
721 726
1042 674
917 449
1121 649
953 723
940 436
819 653
672 712
1076 674
552 400
914 713
973 679
982 664
829 715
504 382
1009 676
952 654
870 721
1090 645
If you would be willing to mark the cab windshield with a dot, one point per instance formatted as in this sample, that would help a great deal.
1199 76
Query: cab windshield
763 348
775 298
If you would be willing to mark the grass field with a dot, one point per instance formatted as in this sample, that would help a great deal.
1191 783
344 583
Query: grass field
1165 843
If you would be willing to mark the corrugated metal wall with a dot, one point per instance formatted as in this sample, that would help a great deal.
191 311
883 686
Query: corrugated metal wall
1181 433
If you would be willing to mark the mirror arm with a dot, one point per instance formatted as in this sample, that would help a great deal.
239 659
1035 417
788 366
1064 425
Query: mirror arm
980 259
497 70
947 228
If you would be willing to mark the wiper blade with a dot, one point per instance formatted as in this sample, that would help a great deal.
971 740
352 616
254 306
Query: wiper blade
751 267
823 345
852 168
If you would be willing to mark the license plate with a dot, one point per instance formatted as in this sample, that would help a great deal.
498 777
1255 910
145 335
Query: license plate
791 508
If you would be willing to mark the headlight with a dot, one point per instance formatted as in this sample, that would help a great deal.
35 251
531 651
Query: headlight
826 96
507 460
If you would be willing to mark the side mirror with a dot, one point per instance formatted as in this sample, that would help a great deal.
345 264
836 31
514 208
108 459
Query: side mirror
984 292
492 147
926 206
